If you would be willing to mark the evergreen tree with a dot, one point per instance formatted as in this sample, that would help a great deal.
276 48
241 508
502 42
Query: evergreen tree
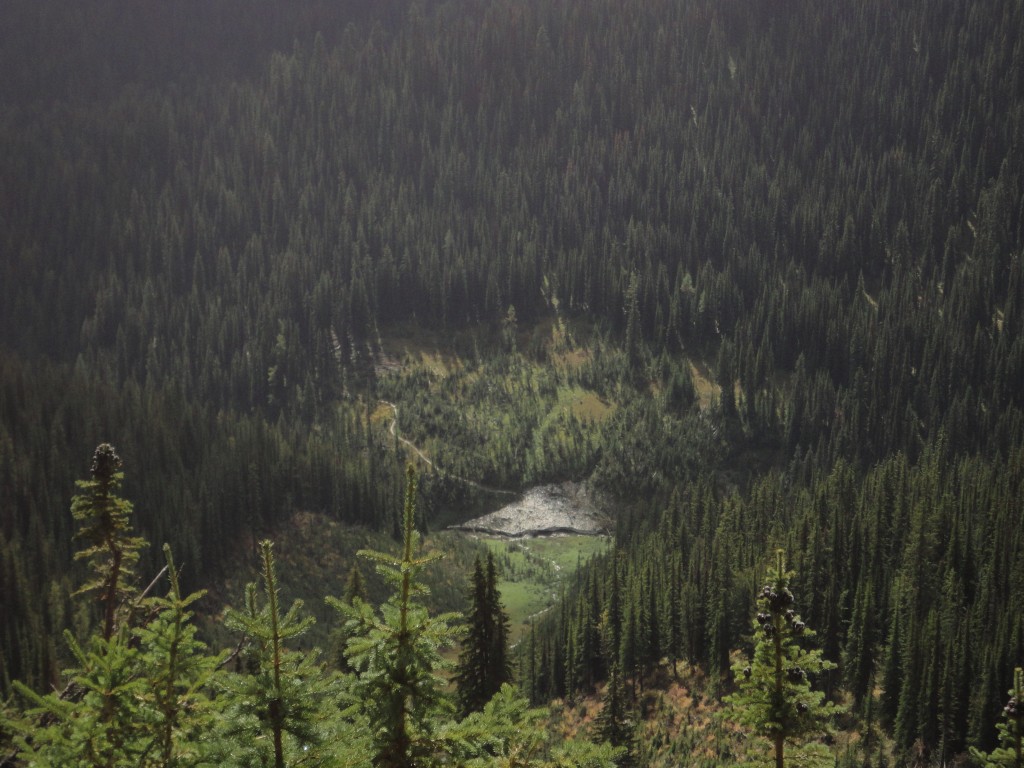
775 699
96 720
614 723
278 706
99 721
500 669
396 656
859 652
509 330
1010 752
355 586
483 663
355 589
135 697
471 674
177 671
110 549
633 341
508 734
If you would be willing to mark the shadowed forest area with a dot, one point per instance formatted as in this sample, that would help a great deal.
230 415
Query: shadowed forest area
752 270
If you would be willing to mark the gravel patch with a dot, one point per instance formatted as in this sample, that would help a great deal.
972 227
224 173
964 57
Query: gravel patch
544 510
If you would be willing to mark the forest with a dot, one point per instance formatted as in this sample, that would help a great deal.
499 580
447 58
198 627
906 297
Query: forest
751 270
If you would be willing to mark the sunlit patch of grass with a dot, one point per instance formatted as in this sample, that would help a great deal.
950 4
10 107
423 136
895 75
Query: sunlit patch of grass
531 572
382 414
523 600
583 404
568 551
422 346
708 393
588 406
570 359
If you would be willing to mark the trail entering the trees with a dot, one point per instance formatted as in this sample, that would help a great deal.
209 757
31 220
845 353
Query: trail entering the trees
393 431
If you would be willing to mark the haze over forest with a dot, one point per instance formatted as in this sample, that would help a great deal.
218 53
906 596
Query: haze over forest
750 271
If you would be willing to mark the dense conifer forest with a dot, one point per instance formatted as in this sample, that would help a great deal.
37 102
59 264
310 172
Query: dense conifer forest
750 269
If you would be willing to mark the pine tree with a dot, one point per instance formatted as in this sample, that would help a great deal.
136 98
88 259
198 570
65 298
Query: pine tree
1010 752
775 699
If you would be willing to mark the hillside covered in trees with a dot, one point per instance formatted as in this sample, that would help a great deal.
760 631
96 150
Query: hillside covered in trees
752 269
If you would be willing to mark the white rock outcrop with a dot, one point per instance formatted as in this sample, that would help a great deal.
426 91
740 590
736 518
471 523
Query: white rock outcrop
546 509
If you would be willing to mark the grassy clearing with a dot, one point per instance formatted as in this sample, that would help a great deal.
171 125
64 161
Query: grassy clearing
531 573
707 391
428 348
584 404
382 414
568 552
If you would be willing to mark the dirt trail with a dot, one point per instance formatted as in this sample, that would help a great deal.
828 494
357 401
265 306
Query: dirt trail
393 431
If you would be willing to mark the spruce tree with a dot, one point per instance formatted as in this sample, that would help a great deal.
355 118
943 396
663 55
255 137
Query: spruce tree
775 699
135 694
1010 752
99 722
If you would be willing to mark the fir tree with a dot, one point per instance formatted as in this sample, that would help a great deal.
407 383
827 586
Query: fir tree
277 707
508 734
355 586
614 724
775 699
178 672
355 590
135 696
396 656
110 549
483 663
471 674
501 666
1010 752
100 723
